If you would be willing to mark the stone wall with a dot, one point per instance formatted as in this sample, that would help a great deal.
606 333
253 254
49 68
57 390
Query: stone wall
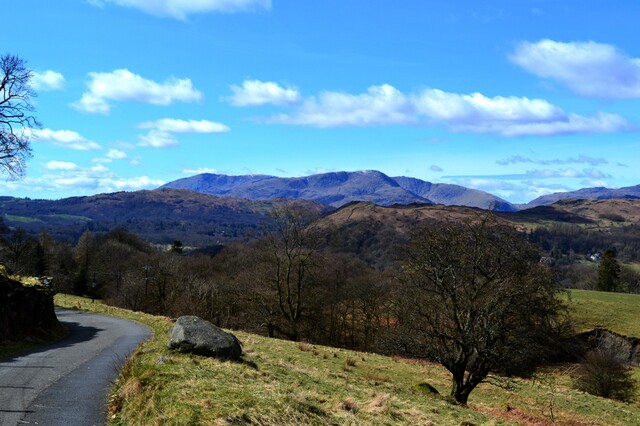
25 312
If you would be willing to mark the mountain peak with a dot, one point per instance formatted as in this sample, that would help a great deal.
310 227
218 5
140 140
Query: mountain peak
339 188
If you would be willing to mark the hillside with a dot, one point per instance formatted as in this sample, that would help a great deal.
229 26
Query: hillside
159 216
598 193
340 188
289 383
454 195
604 213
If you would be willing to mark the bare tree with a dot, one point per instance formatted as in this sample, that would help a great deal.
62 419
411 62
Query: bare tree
477 300
16 114
287 262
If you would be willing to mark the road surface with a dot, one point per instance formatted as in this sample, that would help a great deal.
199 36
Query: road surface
66 383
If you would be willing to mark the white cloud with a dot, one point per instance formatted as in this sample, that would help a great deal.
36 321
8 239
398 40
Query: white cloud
588 68
61 165
602 122
198 171
475 113
566 173
516 192
381 105
463 110
161 132
64 138
123 85
185 126
569 173
255 92
581 159
116 154
47 80
71 178
588 183
181 9
157 139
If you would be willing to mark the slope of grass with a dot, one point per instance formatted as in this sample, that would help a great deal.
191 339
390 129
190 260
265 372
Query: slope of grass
618 312
20 219
288 383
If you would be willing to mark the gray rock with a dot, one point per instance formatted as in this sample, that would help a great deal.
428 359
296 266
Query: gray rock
192 334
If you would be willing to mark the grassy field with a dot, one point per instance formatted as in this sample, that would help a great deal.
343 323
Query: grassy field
20 219
288 383
617 312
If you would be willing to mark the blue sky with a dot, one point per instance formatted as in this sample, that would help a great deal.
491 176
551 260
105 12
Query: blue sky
517 98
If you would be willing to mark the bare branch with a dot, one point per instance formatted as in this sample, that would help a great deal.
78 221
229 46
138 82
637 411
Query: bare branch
16 118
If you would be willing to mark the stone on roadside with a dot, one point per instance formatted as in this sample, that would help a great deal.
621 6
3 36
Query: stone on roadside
192 334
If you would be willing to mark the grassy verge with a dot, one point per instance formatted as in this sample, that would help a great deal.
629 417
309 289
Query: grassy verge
288 383
617 312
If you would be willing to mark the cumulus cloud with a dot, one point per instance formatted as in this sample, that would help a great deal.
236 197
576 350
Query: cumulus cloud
116 154
64 138
435 168
123 85
474 113
62 176
380 105
161 132
185 126
61 165
69 177
181 9
255 92
581 159
588 68
47 80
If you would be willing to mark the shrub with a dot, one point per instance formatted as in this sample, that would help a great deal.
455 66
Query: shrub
602 374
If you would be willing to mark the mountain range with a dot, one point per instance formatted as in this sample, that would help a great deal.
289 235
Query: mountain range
597 193
339 188
210 209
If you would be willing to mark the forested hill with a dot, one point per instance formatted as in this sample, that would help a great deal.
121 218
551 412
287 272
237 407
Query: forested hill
159 216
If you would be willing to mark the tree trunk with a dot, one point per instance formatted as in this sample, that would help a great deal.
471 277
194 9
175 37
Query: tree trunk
459 389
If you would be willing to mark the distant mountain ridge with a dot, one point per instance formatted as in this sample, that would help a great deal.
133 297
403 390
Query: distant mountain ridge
597 193
339 188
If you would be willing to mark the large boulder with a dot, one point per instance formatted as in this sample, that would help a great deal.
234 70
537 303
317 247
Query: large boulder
192 334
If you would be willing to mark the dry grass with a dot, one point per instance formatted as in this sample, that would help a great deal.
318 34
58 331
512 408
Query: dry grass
301 384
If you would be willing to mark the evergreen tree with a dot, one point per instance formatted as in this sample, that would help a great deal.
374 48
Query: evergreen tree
608 271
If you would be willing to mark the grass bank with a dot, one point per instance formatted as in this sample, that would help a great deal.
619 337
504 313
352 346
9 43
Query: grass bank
288 383
619 312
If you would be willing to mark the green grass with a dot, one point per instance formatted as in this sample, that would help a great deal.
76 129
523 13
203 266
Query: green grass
300 384
619 312
20 219
70 217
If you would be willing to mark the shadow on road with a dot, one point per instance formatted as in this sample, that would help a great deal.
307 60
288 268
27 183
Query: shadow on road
76 333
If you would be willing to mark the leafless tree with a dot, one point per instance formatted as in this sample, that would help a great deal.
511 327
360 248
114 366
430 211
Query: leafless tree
477 300
287 261
16 114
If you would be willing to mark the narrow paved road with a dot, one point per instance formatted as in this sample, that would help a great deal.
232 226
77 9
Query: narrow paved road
66 383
